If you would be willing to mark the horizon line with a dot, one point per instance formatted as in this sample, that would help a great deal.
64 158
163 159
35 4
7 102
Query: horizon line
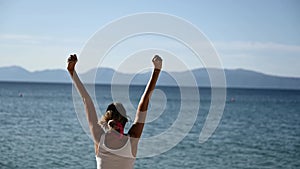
181 71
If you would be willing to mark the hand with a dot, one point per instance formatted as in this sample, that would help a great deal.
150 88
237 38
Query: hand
72 60
157 62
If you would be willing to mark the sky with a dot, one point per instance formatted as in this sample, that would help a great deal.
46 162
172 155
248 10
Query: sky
258 35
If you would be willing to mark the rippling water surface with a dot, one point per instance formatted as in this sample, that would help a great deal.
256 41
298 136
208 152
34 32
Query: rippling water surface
260 129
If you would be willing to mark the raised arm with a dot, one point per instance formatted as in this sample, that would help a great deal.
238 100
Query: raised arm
91 115
138 125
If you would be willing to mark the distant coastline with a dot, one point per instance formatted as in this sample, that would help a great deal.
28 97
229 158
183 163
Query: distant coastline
235 78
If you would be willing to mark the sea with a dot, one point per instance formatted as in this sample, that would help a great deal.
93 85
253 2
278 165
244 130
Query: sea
259 128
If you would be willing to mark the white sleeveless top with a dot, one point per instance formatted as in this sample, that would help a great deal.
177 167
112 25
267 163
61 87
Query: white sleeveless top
114 158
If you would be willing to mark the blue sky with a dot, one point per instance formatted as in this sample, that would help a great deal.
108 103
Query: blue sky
258 35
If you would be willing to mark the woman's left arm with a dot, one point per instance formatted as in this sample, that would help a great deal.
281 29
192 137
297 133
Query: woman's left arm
137 128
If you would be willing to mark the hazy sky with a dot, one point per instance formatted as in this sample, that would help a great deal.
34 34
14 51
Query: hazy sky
260 35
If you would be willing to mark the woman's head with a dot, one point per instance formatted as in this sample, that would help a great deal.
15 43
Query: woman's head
115 117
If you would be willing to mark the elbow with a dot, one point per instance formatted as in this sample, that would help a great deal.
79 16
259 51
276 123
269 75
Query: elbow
87 101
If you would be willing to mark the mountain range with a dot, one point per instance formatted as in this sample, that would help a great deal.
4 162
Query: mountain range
235 78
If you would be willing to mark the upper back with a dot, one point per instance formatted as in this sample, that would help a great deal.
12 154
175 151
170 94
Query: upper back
115 153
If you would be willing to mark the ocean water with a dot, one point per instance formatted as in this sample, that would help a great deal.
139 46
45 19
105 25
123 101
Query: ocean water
260 129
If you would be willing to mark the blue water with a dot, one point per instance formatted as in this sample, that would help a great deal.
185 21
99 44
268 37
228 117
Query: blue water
261 129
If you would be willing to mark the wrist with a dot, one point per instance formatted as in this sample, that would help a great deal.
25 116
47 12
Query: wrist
71 72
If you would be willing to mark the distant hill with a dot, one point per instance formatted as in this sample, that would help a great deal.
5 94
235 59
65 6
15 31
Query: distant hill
19 74
236 78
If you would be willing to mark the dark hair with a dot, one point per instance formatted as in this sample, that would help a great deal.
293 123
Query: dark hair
114 111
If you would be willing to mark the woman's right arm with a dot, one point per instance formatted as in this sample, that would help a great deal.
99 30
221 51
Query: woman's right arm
91 115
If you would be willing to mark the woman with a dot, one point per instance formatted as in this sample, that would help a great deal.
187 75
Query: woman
113 148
